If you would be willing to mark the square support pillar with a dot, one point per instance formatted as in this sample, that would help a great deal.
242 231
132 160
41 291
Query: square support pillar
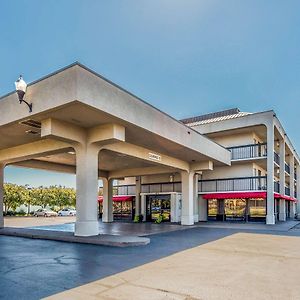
138 195
292 186
86 191
196 202
187 212
2 166
282 206
143 207
298 190
107 215
202 208
270 217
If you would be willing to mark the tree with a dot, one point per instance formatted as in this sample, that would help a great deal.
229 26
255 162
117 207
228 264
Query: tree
13 196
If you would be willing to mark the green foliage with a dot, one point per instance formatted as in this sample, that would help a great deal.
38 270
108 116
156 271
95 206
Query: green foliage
138 219
53 196
159 219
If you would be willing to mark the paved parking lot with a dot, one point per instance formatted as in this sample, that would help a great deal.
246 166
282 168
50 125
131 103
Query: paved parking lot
33 269
34 221
240 266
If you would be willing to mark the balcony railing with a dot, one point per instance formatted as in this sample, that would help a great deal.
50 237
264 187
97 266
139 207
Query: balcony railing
276 187
248 151
287 168
276 158
287 191
233 184
125 189
256 183
165 187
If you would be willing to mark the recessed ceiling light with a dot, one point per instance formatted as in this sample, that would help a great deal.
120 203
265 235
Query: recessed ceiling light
71 152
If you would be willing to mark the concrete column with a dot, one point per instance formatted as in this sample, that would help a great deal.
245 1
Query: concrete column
143 206
270 217
196 203
292 186
138 195
202 208
282 212
187 186
107 215
86 191
2 166
298 190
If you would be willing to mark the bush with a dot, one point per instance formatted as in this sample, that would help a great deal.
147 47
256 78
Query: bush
9 213
159 219
138 219
22 212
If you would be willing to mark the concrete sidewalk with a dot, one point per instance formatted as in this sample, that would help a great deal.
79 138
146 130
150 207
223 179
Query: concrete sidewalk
64 236
241 266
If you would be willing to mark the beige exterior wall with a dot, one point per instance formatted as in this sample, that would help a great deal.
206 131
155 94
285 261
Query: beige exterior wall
231 140
240 170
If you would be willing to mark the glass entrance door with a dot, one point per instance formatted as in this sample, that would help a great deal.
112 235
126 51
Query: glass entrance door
158 204
235 209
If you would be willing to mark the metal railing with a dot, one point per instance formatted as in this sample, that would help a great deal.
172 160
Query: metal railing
287 190
164 187
233 184
287 168
276 158
125 189
248 151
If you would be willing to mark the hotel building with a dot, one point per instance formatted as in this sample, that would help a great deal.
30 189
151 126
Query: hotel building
224 166
260 184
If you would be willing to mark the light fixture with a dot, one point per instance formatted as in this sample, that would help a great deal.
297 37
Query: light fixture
21 87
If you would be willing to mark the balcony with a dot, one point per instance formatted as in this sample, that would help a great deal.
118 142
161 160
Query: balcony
248 151
256 183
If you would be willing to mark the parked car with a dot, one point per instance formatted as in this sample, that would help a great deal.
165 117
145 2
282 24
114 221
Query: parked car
44 212
67 212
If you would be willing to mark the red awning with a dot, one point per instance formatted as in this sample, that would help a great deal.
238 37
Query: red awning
117 198
245 195
279 196
235 195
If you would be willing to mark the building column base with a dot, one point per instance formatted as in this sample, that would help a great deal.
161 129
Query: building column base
270 219
282 216
187 220
196 218
86 228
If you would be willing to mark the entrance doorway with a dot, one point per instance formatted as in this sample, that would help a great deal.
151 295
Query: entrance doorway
156 205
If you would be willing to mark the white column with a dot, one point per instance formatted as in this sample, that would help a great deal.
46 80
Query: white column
2 166
270 217
138 195
196 202
187 186
143 206
86 191
292 186
107 215
282 212
202 208
298 190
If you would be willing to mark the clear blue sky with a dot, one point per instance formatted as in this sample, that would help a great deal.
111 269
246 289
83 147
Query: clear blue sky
186 57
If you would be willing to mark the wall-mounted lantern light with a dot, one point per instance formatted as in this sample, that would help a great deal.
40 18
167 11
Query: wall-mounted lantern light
21 87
